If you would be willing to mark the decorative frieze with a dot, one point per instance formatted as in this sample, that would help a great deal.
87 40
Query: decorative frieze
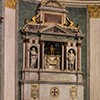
94 11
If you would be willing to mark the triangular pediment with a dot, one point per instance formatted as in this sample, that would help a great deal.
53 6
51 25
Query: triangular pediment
54 29
53 3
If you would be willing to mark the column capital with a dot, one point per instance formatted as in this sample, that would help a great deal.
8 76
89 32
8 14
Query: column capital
10 4
94 10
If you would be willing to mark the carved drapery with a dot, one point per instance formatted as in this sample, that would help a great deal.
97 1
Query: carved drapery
10 4
94 11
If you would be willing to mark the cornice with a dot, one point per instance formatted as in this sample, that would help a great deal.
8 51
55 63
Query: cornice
71 2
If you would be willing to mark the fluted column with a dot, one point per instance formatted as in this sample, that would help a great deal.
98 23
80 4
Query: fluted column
78 57
42 54
62 65
10 49
94 11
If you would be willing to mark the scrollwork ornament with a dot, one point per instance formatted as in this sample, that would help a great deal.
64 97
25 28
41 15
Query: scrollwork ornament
10 4
94 11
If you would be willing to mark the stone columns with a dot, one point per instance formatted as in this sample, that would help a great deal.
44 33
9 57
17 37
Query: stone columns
78 57
26 54
65 56
42 55
62 65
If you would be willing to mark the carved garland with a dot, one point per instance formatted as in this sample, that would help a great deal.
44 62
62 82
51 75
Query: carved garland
10 4
94 11
73 93
34 91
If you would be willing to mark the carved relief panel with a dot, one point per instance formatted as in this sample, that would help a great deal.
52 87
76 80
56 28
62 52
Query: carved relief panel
52 56
34 92
54 92
73 93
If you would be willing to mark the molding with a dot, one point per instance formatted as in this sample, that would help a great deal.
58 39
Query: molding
94 11
71 2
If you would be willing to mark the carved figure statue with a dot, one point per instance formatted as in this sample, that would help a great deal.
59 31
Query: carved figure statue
34 57
52 50
71 59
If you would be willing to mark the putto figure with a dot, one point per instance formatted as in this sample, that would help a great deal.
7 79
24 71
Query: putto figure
71 59
33 57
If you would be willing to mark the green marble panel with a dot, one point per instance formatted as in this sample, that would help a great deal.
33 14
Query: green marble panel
79 16
26 10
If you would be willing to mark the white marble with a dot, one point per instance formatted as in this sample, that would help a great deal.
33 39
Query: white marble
94 59
9 55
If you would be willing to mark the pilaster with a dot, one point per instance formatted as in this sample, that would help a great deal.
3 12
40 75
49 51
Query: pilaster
94 11
9 49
